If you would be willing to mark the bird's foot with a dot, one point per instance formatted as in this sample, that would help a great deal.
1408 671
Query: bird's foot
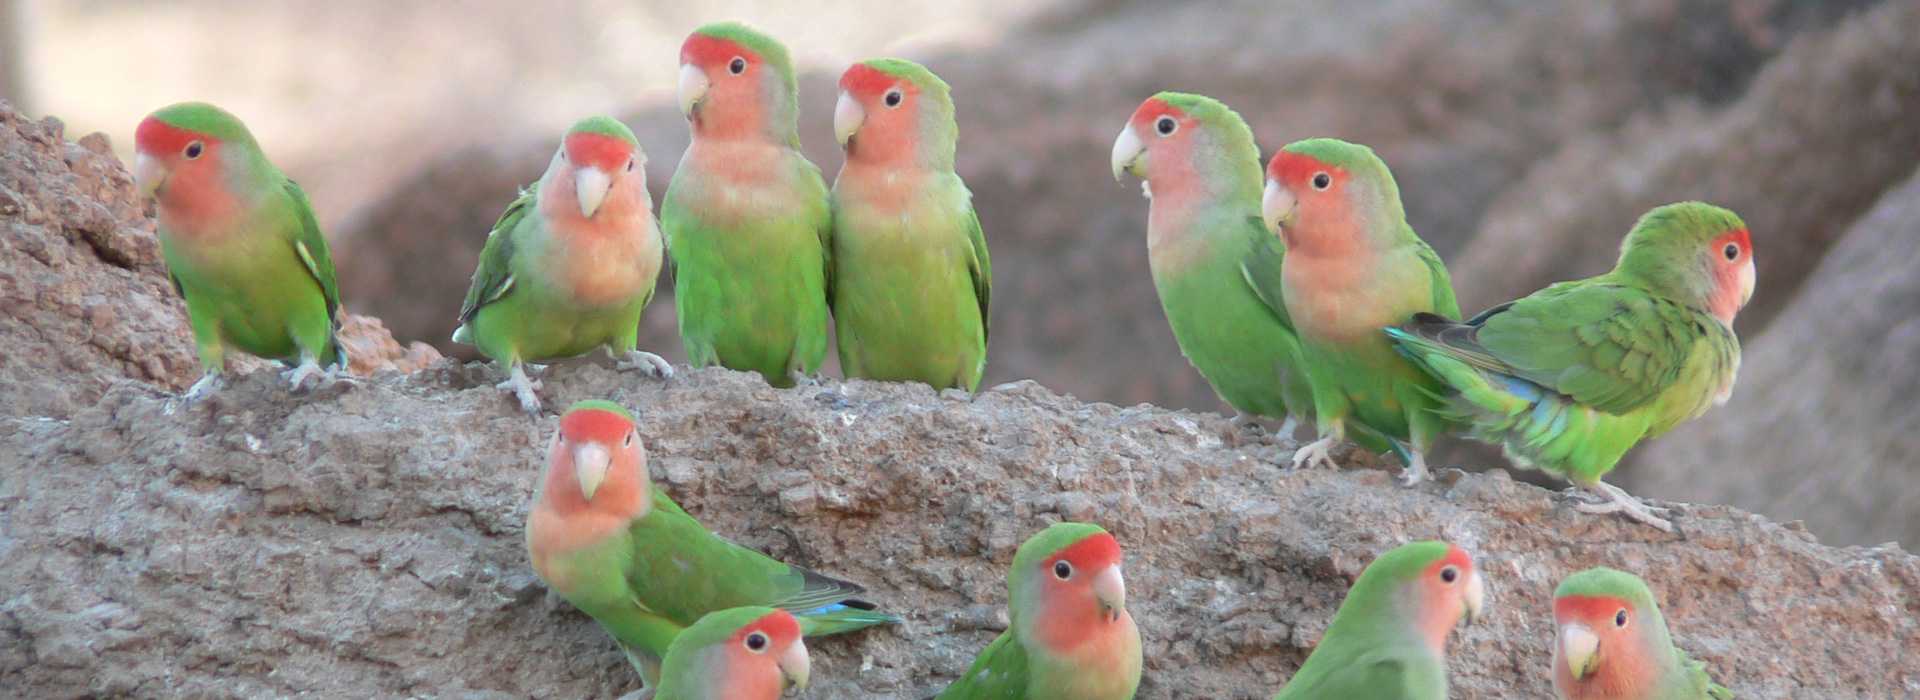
647 362
802 379
208 383
523 389
307 371
1316 453
1415 471
1288 426
1619 501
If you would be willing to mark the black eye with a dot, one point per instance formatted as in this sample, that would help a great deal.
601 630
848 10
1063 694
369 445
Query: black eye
894 97
1062 570
1731 251
193 150
1166 126
737 66
1322 181
629 441
1448 574
629 165
1620 618
756 642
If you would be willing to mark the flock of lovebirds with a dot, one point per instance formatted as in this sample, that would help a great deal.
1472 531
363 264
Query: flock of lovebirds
1303 294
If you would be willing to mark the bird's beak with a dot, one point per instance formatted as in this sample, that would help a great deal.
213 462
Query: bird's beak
848 115
1476 596
1111 590
1129 154
1276 206
1746 283
591 184
693 88
590 463
794 666
1580 647
148 174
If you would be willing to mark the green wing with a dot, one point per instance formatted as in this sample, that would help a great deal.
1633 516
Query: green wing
1375 676
1266 256
494 277
1444 302
1700 684
999 672
822 214
980 266
682 571
311 246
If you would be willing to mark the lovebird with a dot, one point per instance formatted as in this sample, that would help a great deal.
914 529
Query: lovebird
625 554
747 216
1569 378
241 245
746 653
1388 640
571 264
1613 645
1354 266
911 274
1205 242
1072 637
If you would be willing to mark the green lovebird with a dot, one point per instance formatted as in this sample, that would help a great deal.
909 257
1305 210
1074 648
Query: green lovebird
571 264
1201 173
1072 637
747 217
241 245
746 653
1388 640
910 269
1612 644
1569 378
624 553
1354 266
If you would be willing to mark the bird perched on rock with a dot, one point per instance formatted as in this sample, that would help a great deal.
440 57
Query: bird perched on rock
1388 640
1612 644
1569 378
571 264
241 244
747 653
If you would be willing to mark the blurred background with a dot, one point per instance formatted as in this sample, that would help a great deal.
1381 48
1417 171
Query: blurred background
1527 136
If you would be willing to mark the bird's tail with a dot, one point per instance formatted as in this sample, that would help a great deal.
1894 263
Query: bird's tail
845 616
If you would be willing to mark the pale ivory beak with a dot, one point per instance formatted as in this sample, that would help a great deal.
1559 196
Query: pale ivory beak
1747 278
148 174
1476 596
693 88
794 665
1579 647
1111 590
590 463
1276 206
848 115
1129 153
591 184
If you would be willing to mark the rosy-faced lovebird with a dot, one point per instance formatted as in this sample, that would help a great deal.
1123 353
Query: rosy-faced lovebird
1205 242
746 215
624 553
241 244
1569 378
746 653
1611 644
1072 637
1388 640
910 269
570 264
1354 266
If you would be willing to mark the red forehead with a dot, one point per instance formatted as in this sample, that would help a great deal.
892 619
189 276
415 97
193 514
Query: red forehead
863 79
1737 236
1456 557
594 424
606 152
1154 108
155 136
703 50
1587 607
1092 551
779 624
1290 167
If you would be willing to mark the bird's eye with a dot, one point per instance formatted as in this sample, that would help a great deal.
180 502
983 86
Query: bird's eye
630 165
629 440
1450 574
1062 570
1166 126
756 642
1322 181
737 66
894 97
1732 251
193 150
1620 618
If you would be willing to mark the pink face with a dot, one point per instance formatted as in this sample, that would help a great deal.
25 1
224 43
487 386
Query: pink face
731 100
600 178
1607 632
1446 590
183 169
760 657
1166 133
1731 254
1323 213
1081 593
890 125
599 451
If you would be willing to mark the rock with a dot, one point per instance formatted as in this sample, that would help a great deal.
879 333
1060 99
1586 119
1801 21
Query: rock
1822 423
370 348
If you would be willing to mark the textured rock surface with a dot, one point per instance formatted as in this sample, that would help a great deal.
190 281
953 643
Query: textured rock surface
1822 425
